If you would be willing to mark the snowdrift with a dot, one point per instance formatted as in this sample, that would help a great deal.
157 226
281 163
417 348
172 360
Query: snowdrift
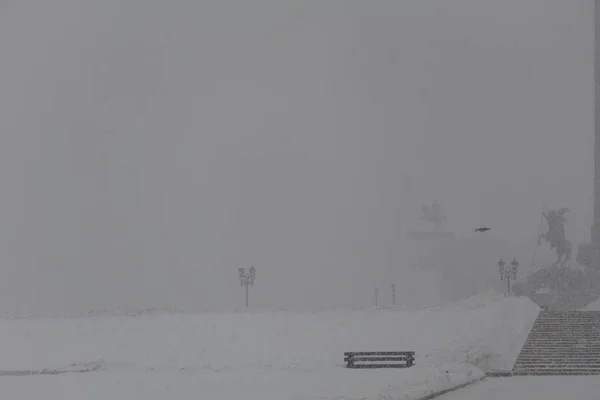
595 306
265 355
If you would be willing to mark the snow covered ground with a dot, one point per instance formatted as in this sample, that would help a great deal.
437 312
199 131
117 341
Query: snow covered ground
531 388
595 306
261 355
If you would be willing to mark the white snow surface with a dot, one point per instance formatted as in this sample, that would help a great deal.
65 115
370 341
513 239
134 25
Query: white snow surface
262 355
594 306
531 388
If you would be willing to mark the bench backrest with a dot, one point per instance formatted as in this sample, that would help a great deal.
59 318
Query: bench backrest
374 359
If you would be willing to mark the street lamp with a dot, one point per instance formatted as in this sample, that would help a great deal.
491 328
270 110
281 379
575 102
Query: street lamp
247 279
508 273
515 266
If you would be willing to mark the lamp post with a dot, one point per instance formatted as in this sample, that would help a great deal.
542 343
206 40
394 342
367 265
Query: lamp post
247 277
393 294
508 273
595 239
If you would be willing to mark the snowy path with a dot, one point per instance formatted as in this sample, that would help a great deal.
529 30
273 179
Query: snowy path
531 388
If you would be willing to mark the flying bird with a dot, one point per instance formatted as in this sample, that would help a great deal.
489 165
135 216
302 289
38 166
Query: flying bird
482 229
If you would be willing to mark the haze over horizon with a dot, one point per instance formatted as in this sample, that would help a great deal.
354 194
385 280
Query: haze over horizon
150 149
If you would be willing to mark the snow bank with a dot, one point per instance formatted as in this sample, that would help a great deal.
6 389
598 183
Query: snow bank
491 333
279 355
595 306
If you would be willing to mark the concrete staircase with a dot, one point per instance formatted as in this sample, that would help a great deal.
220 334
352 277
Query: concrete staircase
562 343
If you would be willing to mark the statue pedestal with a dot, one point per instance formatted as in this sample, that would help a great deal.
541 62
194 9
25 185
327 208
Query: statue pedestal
596 235
596 242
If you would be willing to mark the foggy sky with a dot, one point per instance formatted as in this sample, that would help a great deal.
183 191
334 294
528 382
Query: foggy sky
149 149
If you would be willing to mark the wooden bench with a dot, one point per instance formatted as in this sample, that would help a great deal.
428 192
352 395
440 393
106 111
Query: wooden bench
376 359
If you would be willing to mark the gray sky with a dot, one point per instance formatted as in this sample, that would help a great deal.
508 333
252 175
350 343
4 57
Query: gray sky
151 148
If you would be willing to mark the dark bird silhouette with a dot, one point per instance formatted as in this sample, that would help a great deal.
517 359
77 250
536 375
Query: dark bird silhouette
482 229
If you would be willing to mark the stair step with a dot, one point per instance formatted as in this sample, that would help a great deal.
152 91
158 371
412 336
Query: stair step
568 316
581 324
554 373
566 325
562 345
564 348
558 365
536 333
544 318
565 335
582 318
524 360
570 312
567 321
544 363
582 327
565 331
563 327
530 356
593 339
554 368
582 356
574 346
559 356
557 360
558 352
592 342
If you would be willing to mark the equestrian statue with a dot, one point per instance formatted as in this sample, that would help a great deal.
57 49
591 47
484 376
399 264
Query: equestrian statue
433 214
556 236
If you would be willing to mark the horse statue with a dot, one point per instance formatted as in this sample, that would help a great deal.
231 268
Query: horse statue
556 236
433 214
